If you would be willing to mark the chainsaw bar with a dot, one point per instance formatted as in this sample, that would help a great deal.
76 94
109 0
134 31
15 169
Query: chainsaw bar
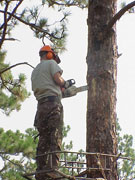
82 88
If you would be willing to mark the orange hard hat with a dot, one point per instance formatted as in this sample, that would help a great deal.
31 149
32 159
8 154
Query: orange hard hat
51 54
46 48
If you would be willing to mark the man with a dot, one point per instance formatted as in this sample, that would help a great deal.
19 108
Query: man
47 83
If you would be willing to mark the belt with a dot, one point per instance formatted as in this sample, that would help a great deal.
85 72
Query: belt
49 99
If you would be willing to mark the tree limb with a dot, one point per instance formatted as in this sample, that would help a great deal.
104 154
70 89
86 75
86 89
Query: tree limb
68 4
15 164
6 69
1 170
11 14
33 26
10 0
119 14
4 84
5 25
10 39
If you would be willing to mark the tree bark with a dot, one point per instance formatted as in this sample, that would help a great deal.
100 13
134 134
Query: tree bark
102 80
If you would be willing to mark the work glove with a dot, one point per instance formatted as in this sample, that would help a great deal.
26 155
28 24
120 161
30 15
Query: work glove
71 91
69 83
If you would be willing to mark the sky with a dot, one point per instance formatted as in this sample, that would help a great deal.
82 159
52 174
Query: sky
73 63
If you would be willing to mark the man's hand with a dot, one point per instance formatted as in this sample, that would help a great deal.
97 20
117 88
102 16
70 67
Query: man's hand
69 92
69 83
61 82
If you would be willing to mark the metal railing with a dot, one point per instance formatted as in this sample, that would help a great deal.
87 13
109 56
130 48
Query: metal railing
72 165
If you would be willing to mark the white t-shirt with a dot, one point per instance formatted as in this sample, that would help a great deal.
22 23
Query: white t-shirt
43 83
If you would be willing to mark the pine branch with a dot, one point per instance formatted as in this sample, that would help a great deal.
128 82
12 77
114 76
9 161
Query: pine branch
4 25
4 85
33 26
11 14
10 0
67 4
15 164
10 39
1 170
6 69
119 14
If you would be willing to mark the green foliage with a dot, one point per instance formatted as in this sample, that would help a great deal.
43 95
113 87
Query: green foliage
70 157
18 151
126 168
12 91
66 129
123 4
17 142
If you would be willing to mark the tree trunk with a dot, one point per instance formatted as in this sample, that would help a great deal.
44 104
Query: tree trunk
101 79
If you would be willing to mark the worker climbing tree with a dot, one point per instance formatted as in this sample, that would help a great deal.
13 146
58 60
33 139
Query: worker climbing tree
47 85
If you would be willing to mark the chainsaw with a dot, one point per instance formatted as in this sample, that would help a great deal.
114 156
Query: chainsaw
73 90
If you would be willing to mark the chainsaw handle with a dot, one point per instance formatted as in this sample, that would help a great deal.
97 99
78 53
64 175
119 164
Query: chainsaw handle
69 83
72 81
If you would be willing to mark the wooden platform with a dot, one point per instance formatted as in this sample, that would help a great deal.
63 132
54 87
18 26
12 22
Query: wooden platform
56 174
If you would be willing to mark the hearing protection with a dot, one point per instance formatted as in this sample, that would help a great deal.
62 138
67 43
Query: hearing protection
50 53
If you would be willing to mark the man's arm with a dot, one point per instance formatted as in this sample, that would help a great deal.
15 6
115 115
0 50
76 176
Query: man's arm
61 82
58 79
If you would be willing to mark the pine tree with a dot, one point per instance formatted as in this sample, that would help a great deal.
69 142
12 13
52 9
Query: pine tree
102 81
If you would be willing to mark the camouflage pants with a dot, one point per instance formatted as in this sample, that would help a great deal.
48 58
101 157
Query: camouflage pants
49 122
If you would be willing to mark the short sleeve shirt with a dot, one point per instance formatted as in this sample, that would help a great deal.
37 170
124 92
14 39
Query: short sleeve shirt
42 79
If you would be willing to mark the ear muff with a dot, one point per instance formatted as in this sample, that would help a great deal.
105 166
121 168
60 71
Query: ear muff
49 55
